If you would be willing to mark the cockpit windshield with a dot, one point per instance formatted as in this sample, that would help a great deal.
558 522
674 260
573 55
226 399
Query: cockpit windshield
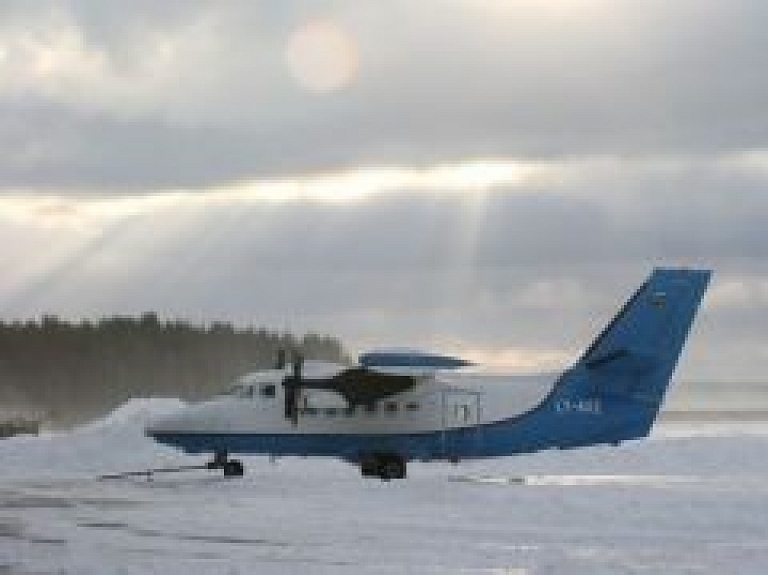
259 383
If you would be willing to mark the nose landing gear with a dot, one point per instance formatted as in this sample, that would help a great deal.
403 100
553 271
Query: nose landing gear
230 467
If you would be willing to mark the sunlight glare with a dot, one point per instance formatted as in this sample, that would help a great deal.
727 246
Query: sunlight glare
359 184
322 57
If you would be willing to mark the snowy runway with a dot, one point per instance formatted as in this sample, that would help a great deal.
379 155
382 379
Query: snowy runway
693 499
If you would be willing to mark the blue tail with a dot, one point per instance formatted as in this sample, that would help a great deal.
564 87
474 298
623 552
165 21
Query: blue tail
627 370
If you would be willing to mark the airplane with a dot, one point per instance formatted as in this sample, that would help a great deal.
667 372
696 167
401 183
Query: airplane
397 406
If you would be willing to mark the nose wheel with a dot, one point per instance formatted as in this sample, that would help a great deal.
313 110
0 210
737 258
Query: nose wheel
230 467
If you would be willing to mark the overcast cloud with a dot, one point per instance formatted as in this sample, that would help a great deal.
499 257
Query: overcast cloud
486 178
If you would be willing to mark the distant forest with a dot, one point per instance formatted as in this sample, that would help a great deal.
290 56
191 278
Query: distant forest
72 372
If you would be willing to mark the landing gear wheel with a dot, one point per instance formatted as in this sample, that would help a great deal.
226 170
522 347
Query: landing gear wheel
392 467
233 468
385 466
369 466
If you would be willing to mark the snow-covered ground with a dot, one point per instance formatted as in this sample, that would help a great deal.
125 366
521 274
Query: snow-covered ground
692 499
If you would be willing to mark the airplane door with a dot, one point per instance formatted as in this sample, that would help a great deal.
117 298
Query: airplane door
460 418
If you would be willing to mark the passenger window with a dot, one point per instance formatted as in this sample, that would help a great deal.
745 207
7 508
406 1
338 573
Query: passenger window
462 412
349 411
370 408
412 406
311 411
391 407
268 390
331 412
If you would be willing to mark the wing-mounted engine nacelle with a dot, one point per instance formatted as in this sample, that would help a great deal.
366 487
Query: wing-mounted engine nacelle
378 376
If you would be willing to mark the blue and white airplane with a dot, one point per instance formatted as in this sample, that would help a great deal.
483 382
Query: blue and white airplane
399 406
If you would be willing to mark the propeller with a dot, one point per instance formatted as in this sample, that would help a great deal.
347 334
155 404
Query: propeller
280 362
292 384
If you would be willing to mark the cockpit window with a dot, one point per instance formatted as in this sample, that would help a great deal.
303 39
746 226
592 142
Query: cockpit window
240 390
268 390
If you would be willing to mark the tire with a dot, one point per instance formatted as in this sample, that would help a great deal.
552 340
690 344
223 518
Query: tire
233 468
385 466
392 467
369 466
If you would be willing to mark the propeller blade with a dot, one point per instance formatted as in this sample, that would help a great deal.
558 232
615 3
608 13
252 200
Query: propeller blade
298 366
280 363
292 384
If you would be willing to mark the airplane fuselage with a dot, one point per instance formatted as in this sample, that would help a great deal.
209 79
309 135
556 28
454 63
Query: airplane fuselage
395 407
447 416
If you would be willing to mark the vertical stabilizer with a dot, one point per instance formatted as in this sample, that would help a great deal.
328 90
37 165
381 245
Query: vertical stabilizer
630 364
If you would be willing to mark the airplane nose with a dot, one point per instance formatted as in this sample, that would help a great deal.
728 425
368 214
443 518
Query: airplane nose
180 420
162 416
160 425
152 428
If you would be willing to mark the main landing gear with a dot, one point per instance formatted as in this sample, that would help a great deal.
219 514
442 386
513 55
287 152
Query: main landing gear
385 466
230 467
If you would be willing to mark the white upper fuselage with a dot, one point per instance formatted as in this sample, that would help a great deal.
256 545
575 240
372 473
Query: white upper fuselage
438 401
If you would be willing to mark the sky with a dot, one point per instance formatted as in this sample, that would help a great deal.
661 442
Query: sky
490 178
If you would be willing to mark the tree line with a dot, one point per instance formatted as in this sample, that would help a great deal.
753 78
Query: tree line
72 372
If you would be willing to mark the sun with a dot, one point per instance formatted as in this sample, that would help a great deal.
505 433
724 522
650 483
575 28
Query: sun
322 57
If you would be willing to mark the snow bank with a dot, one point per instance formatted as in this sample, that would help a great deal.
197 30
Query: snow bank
137 412
115 442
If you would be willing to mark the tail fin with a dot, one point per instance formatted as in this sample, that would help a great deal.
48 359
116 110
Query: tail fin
631 362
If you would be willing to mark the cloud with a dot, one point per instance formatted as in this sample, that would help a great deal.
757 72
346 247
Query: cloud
112 98
525 269
489 177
